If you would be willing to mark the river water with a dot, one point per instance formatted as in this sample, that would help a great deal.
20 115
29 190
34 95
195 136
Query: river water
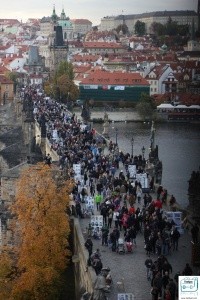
179 150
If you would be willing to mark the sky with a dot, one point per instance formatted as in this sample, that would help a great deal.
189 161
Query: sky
92 10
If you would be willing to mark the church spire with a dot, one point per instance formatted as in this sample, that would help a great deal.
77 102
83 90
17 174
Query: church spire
54 17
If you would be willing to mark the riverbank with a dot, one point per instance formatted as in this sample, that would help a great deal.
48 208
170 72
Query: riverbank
116 115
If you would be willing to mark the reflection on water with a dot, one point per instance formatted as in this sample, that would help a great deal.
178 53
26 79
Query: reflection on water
179 150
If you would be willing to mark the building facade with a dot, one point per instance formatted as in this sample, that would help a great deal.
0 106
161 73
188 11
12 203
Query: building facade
6 90
104 86
181 17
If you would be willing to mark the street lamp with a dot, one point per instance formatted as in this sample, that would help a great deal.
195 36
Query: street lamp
143 151
116 136
132 141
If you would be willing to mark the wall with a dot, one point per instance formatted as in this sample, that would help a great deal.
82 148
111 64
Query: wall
84 276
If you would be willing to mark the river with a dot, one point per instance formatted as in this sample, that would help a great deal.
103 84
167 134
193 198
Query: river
179 150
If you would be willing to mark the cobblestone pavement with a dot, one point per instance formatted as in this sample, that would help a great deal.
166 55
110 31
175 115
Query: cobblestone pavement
130 267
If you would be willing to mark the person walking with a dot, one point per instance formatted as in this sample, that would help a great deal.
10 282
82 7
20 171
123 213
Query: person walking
98 198
175 235
110 217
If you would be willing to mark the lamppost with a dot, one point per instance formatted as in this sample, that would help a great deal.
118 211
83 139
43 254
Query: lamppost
143 151
116 136
132 142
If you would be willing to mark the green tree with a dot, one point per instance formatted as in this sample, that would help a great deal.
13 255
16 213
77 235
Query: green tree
183 30
171 27
65 68
158 29
123 28
140 28
146 107
61 86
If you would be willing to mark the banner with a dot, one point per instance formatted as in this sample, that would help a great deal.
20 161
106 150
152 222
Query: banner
132 171
142 178
89 204
96 224
77 171
126 296
119 88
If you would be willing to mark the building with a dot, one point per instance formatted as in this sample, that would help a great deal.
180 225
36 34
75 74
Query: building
81 26
35 61
57 50
6 90
158 79
103 47
66 25
180 16
104 86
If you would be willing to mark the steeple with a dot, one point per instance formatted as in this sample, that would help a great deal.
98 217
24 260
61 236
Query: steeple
54 17
63 15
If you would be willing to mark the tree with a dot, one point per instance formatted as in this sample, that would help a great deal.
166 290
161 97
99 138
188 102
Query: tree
6 268
67 89
140 28
43 228
123 28
146 107
158 29
171 27
65 68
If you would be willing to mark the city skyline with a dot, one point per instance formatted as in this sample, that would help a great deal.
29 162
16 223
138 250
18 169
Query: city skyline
92 10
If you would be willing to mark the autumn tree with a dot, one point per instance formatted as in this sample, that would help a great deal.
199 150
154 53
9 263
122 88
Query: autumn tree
61 86
68 90
6 271
43 227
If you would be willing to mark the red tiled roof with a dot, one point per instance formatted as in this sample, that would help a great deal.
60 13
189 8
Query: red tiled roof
102 45
101 77
5 80
81 21
3 70
85 58
82 69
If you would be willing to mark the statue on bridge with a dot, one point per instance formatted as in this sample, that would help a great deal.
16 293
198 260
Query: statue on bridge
105 125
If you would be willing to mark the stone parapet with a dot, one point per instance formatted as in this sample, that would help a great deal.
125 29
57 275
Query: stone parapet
84 276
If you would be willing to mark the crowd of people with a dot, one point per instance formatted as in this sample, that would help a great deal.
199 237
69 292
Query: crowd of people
115 196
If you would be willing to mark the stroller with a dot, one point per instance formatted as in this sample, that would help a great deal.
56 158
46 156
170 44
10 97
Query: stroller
120 246
129 247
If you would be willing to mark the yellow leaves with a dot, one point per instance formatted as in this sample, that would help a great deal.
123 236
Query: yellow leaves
43 227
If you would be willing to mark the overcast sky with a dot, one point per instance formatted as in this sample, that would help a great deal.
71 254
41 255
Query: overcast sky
92 10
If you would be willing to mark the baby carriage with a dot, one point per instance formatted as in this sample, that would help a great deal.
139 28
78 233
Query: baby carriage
120 246
129 247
